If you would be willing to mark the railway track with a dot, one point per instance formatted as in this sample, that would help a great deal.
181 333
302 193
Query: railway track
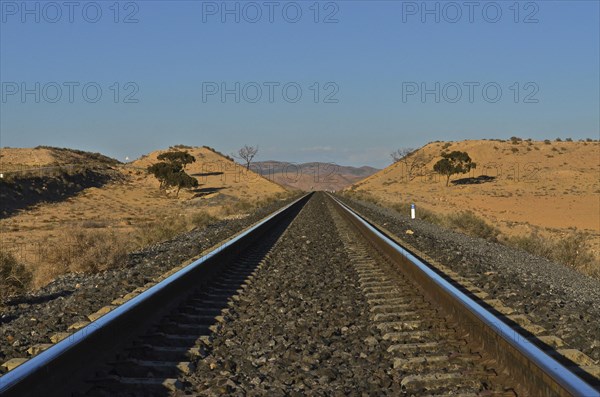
435 337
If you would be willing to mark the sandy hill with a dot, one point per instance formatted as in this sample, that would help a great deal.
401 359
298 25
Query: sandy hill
48 174
312 176
217 174
27 159
129 202
518 185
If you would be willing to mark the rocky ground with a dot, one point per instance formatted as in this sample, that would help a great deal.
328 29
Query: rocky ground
564 302
31 319
301 328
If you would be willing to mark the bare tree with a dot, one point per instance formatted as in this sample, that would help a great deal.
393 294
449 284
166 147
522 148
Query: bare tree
247 153
412 159
401 153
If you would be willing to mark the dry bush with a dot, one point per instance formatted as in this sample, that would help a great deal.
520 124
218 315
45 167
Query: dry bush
360 195
202 218
237 207
270 200
471 224
15 278
533 243
89 251
94 224
572 250
165 228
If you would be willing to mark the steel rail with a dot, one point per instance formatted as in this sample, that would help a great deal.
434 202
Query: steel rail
44 360
568 382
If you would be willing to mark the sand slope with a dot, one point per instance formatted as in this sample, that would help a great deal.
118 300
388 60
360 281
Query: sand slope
553 187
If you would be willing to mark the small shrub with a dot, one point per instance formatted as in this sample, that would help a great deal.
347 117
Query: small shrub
446 145
202 218
589 140
88 251
471 224
571 250
514 150
558 140
515 140
533 244
547 142
569 139
93 224
237 207
15 278
165 229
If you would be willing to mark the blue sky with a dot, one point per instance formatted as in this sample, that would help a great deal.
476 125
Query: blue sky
348 91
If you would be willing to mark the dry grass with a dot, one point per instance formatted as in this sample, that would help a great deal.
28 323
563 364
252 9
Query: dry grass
14 276
237 207
202 219
86 249
83 250
469 223
165 228
573 250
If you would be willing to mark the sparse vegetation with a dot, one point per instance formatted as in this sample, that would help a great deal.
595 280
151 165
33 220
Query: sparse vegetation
571 250
237 207
81 251
469 223
515 140
202 218
164 228
547 142
217 152
15 278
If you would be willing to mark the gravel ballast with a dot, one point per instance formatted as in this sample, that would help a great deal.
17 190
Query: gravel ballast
301 327
31 319
563 301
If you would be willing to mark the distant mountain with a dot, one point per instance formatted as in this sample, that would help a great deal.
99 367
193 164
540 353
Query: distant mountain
312 176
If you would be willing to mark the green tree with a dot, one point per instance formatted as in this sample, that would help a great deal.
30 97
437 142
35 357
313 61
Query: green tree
177 157
454 163
170 172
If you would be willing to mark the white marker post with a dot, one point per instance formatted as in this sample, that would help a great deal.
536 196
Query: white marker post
412 211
